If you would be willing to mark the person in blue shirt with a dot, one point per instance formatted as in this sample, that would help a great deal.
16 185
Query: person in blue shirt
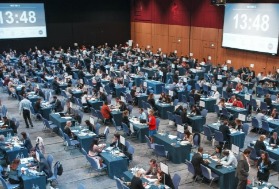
26 141
142 116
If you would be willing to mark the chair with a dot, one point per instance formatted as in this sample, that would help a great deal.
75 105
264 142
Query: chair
83 151
178 119
207 133
117 127
196 140
206 172
109 97
253 155
225 95
255 123
263 106
8 185
219 137
254 104
49 126
118 183
226 114
192 101
176 180
273 97
180 135
70 142
204 112
245 128
184 99
97 128
131 151
130 109
170 116
159 150
265 126
4 111
126 129
217 110
94 165
148 143
175 102
157 123
191 170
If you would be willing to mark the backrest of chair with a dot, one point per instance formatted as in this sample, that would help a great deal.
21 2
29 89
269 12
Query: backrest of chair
106 131
175 102
159 149
176 180
67 138
225 112
245 128
118 183
180 135
253 154
190 167
263 106
92 162
157 123
4 184
273 97
61 133
130 109
148 141
170 116
131 149
113 122
204 112
206 172
50 160
125 128
218 136
255 122
216 109
124 186
265 125
97 128
196 139
206 130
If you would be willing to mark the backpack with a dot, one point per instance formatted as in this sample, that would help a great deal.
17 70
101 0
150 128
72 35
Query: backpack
59 168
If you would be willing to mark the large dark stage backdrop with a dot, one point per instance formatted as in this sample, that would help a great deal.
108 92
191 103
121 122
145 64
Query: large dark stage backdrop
78 21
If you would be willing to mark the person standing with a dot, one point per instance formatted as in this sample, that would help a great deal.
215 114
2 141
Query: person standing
242 169
264 165
25 107
152 125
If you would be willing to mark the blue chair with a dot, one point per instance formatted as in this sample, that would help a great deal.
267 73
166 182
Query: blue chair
180 135
192 101
70 143
83 151
226 114
160 150
263 106
206 173
219 137
178 119
170 116
97 128
117 127
204 112
130 109
217 110
118 183
207 133
4 111
131 150
197 87
175 102
225 95
157 123
8 185
254 104
191 170
245 128
148 143
273 97
184 99
125 186
253 155
265 127
49 126
176 180
255 124
94 165
126 129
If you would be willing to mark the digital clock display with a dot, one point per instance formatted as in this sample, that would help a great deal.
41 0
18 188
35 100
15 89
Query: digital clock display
252 27
22 20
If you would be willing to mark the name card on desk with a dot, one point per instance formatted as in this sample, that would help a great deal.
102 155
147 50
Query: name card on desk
160 73
170 93
235 149
180 128
144 84
241 117
190 129
71 105
122 140
247 97
125 76
91 120
214 88
219 76
101 89
185 79
172 66
164 168
202 103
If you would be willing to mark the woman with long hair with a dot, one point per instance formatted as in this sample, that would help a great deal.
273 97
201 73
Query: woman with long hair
263 166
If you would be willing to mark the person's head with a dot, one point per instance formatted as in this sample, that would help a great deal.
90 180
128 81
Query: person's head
116 136
274 135
125 113
139 173
95 141
5 118
246 152
87 122
141 110
24 95
15 164
200 149
54 97
68 124
151 96
187 132
151 112
2 138
264 157
106 103
153 163
24 135
218 149
225 122
237 121
262 138
160 176
226 153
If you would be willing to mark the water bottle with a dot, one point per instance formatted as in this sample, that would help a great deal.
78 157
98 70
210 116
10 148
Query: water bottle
37 187
17 156
33 187
21 155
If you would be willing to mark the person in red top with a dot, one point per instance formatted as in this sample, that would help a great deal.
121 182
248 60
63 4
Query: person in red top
152 125
232 99
105 111
238 103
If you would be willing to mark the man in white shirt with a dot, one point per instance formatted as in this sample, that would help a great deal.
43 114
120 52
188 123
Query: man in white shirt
229 159
237 79
142 116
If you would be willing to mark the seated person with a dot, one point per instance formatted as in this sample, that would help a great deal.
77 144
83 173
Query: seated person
136 182
232 99
238 103
153 168
221 103
44 166
215 94
229 158
238 87
123 106
67 129
26 141
195 110
40 93
274 140
105 111
103 96
168 99
125 118
116 144
188 136
10 124
57 105
90 126
268 100
14 173
95 149
178 110
217 154
133 91
163 97
37 106
151 101
238 124
274 114
259 145
164 179
142 116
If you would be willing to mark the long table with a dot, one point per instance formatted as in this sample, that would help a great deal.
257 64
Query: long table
155 85
60 121
116 165
177 153
163 109
236 138
85 138
208 103
141 129
196 122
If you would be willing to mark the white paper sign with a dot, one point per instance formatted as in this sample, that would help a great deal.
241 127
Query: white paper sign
251 65
229 61
144 84
101 89
235 149
160 49
247 97
122 99
164 168
190 129
148 46
71 105
191 54
91 120
125 77
160 73
172 65
219 76
180 128
183 59
138 68
175 51
107 72
241 117
170 93
202 103
185 79
130 43
209 57
213 88
122 140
